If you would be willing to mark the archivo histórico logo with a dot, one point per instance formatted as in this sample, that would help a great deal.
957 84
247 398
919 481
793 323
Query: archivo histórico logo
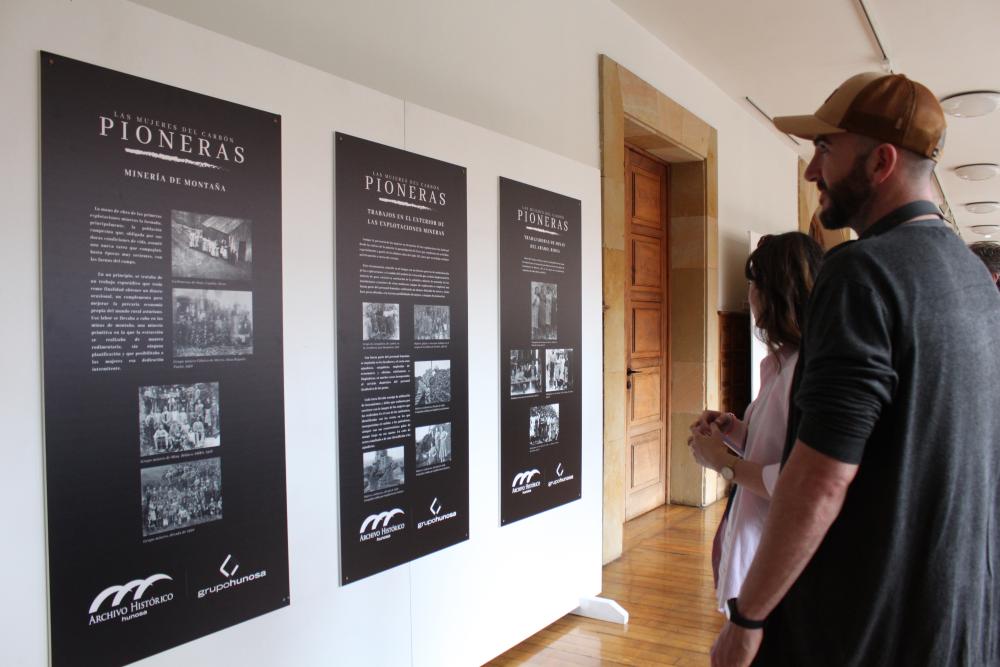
523 481
123 608
379 526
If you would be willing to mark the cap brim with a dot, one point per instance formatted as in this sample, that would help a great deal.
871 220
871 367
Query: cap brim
806 127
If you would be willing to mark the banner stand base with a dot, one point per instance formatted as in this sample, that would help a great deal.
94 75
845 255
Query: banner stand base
601 609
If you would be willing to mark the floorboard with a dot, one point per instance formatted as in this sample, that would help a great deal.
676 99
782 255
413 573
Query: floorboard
664 580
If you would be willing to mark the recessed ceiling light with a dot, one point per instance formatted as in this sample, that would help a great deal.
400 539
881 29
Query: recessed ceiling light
984 230
982 206
971 104
977 172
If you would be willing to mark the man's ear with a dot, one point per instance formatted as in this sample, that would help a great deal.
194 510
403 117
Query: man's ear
883 161
996 277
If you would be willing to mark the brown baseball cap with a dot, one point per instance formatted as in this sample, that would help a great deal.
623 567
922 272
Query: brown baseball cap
887 107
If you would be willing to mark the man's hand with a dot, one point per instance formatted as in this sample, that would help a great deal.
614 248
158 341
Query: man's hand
736 646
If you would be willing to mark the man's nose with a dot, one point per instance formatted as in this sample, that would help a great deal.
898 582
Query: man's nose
812 169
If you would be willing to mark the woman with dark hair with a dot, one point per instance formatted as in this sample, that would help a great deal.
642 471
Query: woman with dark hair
747 452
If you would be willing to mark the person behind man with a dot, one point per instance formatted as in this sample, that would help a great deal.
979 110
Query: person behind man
989 254
781 271
882 545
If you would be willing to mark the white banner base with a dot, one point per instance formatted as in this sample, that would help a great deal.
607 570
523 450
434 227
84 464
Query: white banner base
602 609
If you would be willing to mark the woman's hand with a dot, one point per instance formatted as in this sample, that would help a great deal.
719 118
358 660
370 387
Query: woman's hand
709 450
724 420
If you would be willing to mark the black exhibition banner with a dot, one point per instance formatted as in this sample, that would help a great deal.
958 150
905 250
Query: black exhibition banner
164 414
540 320
402 356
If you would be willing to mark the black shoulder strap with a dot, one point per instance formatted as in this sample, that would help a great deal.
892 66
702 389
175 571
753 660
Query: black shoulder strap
902 214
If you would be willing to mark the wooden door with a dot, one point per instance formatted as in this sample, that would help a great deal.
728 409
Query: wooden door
647 346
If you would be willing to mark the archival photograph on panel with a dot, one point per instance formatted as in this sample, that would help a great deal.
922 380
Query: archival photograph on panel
544 424
558 369
431 323
544 308
380 321
383 469
433 382
181 495
433 444
210 323
210 246
525 372
178 418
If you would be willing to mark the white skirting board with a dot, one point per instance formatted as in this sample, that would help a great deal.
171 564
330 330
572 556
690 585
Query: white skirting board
602 609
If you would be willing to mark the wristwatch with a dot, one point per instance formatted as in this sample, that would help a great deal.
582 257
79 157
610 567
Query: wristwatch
728 472
736 618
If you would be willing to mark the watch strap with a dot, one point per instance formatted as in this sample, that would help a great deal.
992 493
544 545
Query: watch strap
736 618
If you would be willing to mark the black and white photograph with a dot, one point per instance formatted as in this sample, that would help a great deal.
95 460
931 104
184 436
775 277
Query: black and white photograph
558 369
384 469
431 322
181 495
212 323
544 309
210 247
178 417
432 382
380 321
544 424
433 445
525 372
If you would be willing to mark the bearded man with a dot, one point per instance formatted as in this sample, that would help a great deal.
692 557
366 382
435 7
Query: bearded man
882 546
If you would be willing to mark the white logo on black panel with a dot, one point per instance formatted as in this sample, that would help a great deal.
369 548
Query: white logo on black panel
229 573
561 476
523 481
121 608
380 526
228 570
383 518
525 477
436 516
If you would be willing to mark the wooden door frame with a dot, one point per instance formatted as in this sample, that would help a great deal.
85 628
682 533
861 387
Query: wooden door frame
634 112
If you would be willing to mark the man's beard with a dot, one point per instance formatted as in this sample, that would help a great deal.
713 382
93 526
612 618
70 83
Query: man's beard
847 198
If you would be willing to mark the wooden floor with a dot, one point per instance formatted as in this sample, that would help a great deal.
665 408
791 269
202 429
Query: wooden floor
664 580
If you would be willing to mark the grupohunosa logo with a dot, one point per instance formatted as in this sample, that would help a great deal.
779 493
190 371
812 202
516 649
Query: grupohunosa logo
436 516
561 476
228 569
379 526
121 608
523 481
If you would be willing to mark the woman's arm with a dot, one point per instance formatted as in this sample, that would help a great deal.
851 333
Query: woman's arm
711 452
749 475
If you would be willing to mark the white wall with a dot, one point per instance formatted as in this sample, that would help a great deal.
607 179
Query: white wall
460 606
526 69
520 68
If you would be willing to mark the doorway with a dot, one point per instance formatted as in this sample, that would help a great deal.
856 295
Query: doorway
634 113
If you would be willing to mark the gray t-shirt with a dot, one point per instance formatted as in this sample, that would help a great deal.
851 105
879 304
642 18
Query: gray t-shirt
899 372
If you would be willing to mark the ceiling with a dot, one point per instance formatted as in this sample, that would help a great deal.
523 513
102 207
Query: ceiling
789 55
